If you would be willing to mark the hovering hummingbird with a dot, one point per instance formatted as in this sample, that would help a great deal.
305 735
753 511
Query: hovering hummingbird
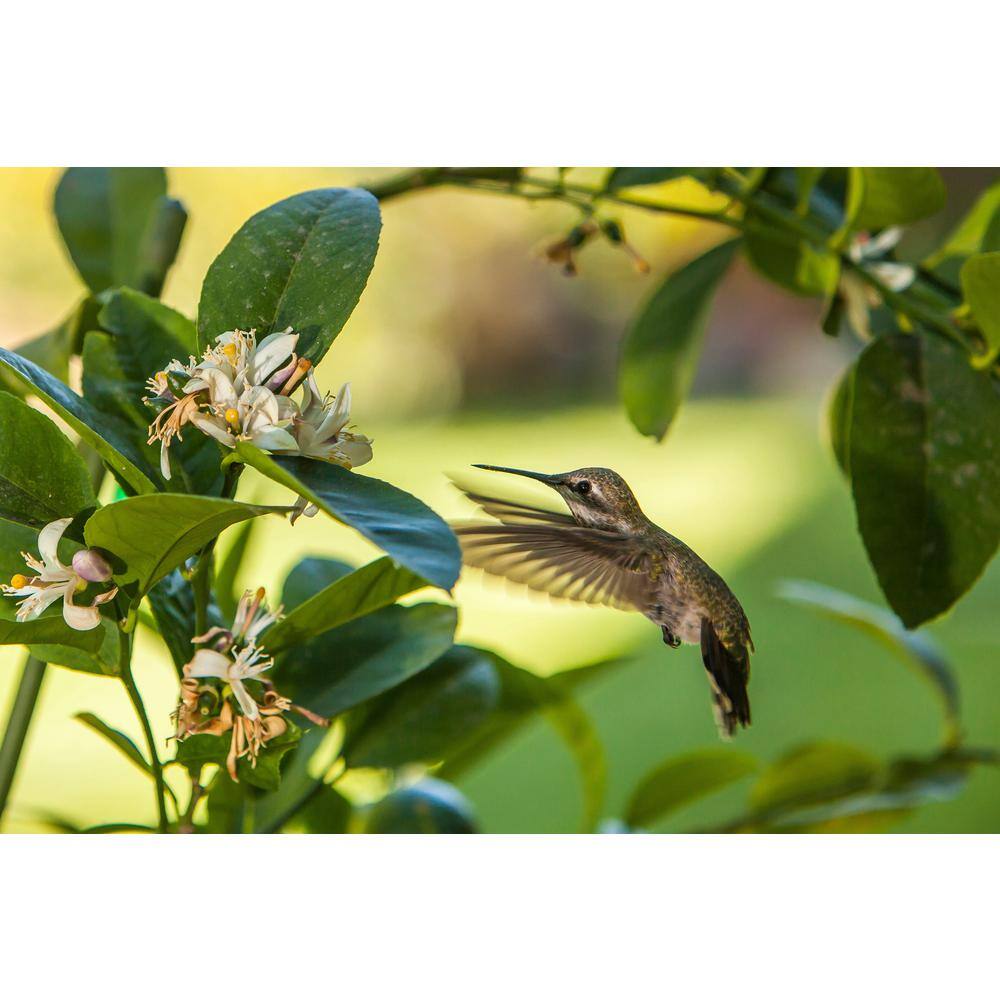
606 551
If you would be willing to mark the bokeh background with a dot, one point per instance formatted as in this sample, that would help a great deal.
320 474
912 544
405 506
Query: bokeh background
468 347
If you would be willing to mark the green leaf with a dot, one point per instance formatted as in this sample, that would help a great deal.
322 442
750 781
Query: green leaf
398 523
102 661
925 471
981 287
685 779
42 477
117 739
806 179
793 264
430 806
661 348
365 590
302 262
350 664
119 226
326 812
523 696
626 177
839 420
102 432
50 629
977 232
172 603
309 576
154 534
816 772
423 718
52 350
916 649
228 569
206 748
891 196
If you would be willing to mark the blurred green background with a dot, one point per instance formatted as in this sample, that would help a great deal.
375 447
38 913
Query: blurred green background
467 347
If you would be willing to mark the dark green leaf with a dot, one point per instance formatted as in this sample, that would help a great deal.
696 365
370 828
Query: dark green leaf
103 662
309 576
398 523
205 748
430 806
793 264
154 534
423 718
118 225
326 812
925 471
102 432
839 420
348 665
49 630
117 739
892 196
806 179
981 288
172 603
365 590
661 348
685 779
916 649
228 569
302 262
978 232
42 476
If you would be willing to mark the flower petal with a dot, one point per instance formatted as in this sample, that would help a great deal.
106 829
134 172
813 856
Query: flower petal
80 617
48 542
357 450
247 705
213 427
274 439
270 353
220 388
208 663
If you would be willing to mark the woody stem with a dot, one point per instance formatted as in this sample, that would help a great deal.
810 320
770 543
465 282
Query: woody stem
17 724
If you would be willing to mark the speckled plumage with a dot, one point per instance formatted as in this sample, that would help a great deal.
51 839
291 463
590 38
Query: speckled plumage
606 551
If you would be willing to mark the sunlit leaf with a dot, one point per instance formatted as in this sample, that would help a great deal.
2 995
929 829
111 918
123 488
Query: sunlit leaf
681 780
878 197
925 470
981 286
977 232
309 576
301 263
661 349
795 265
398 523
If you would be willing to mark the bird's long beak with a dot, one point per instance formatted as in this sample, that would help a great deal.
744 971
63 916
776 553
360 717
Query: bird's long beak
540 476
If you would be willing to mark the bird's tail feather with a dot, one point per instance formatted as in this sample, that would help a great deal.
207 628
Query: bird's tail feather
728 672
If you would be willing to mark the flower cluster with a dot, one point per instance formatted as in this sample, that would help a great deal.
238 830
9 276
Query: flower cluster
53 579
859 297
233 657
241 391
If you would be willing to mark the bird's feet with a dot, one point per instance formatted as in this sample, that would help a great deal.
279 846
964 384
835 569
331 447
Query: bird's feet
669 638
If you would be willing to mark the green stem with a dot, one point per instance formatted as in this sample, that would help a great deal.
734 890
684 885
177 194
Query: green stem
18 723
125 666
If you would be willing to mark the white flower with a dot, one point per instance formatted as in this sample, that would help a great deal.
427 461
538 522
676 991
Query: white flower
859 296
320 428
249 663
54 579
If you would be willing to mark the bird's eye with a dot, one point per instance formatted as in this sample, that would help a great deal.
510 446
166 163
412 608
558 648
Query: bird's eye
582 487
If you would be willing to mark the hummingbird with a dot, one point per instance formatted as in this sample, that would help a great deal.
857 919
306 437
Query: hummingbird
605 550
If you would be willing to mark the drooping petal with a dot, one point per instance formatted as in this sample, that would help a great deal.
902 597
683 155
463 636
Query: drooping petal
81 617
274 439
338 414
247 705
209 663
165 461
213 427
48 542
356 449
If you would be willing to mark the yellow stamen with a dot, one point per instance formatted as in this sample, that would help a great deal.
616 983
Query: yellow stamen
160 376
17 581
230 351
232 416
301 370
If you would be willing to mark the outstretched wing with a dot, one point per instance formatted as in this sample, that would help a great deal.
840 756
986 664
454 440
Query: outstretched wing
548 551
728 666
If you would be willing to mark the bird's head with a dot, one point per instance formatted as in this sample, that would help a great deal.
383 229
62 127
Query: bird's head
598 498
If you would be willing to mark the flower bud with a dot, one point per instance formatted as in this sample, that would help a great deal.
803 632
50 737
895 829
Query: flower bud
90 565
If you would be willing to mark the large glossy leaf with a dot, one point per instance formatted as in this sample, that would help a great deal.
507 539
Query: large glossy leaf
925 471
626 177
102 432
152 535
309 576
349 665
977 232
916 649
302 262
892 196
981 286
398 523
359 593
685 779
42 476
524 696
119 226
423 718
794 264
97 654
661 348
430 806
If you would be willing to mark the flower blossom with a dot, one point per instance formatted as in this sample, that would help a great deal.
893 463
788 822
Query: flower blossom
53 580
859 297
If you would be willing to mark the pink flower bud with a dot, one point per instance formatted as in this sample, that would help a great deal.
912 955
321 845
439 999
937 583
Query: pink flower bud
90 565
